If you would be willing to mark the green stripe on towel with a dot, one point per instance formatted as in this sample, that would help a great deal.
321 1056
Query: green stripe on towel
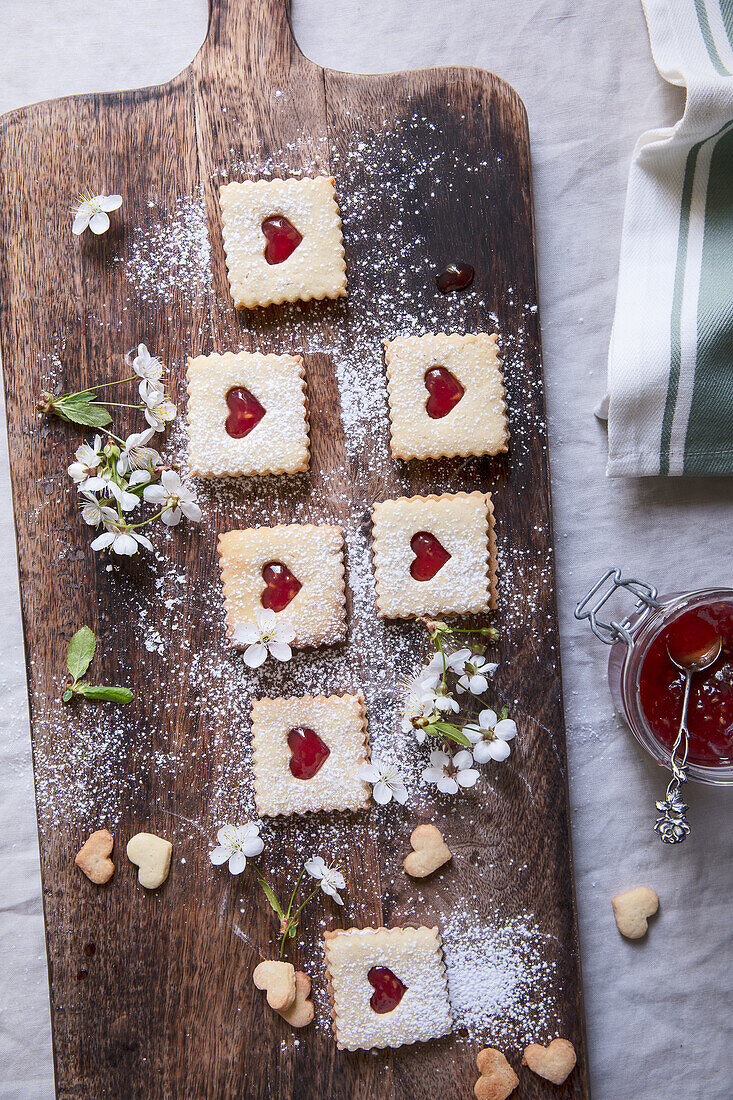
709 441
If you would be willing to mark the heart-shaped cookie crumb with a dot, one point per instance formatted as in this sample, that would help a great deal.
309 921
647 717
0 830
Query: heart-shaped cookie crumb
152 856
278 980
498 1080
93 857
430 852
301 1011
632 909
555 1062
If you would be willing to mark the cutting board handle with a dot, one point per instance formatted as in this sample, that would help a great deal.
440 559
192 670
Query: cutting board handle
250 32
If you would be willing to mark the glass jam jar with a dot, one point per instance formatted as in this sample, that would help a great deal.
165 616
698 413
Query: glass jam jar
648 689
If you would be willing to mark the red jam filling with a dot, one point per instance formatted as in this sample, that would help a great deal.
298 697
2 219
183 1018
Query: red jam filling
662 685
308 752
388 989
282 586
445 392
245 412
454 277
430 556
282 238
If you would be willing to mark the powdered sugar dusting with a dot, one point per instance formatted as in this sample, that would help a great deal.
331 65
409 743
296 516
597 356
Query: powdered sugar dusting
94 763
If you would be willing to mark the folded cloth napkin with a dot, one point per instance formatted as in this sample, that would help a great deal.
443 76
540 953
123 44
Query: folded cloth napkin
670 363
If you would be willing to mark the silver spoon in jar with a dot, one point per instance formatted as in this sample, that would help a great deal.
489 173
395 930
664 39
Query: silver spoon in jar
672 824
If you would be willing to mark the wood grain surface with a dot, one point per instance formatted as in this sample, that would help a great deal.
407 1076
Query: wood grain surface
165 1007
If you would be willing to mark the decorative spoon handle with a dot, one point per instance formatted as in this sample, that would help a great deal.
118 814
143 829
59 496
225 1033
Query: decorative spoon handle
672 824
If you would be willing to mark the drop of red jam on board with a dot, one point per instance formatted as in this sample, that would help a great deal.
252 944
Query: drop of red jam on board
308 752
388 989
245 412
454 277
282 238
662 685
430 556
445 392
282 586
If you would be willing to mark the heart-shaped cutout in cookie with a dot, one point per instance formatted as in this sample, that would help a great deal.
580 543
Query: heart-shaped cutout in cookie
498 1080
388 989
308 752
152 856
282 586
555 1062
245 412
430 852
430 556
632 909
282 238
278 981
93 857
445 391
301 1011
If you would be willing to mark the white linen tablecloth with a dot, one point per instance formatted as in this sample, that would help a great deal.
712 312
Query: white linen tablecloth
658 1012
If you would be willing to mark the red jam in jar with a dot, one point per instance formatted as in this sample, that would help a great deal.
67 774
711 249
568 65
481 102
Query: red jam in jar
662 684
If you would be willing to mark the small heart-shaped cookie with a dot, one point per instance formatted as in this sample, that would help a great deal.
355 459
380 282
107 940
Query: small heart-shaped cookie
632 909
498 1080
301 1011
93 857
554 1062
152 855
278 979
430 853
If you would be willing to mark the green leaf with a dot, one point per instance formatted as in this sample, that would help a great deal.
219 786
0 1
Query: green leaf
292 930
89 413
81 651
270 895
452 732
67 696
106 693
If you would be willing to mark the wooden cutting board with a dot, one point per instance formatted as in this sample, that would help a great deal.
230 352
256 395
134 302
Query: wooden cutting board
151 994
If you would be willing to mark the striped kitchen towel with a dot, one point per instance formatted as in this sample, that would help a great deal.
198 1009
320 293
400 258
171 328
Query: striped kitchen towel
670 363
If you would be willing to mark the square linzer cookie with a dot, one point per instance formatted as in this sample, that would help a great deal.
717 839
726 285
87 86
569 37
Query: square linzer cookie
388 986
282 240
296 570
247 414
434 555
307 753
446 396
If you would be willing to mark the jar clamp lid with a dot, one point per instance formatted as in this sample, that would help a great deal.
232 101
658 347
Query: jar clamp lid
671 824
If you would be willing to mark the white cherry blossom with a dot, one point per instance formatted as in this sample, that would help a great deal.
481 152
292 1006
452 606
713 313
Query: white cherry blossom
175 498
386 781
121 540
88 459
331 879
147 366
93 512
477 671
136 455
127 501
267 634
237 844
448 662
93 211
159 409
491 737
450 773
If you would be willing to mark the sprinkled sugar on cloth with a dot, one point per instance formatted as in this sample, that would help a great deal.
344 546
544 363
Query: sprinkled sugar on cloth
670 363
